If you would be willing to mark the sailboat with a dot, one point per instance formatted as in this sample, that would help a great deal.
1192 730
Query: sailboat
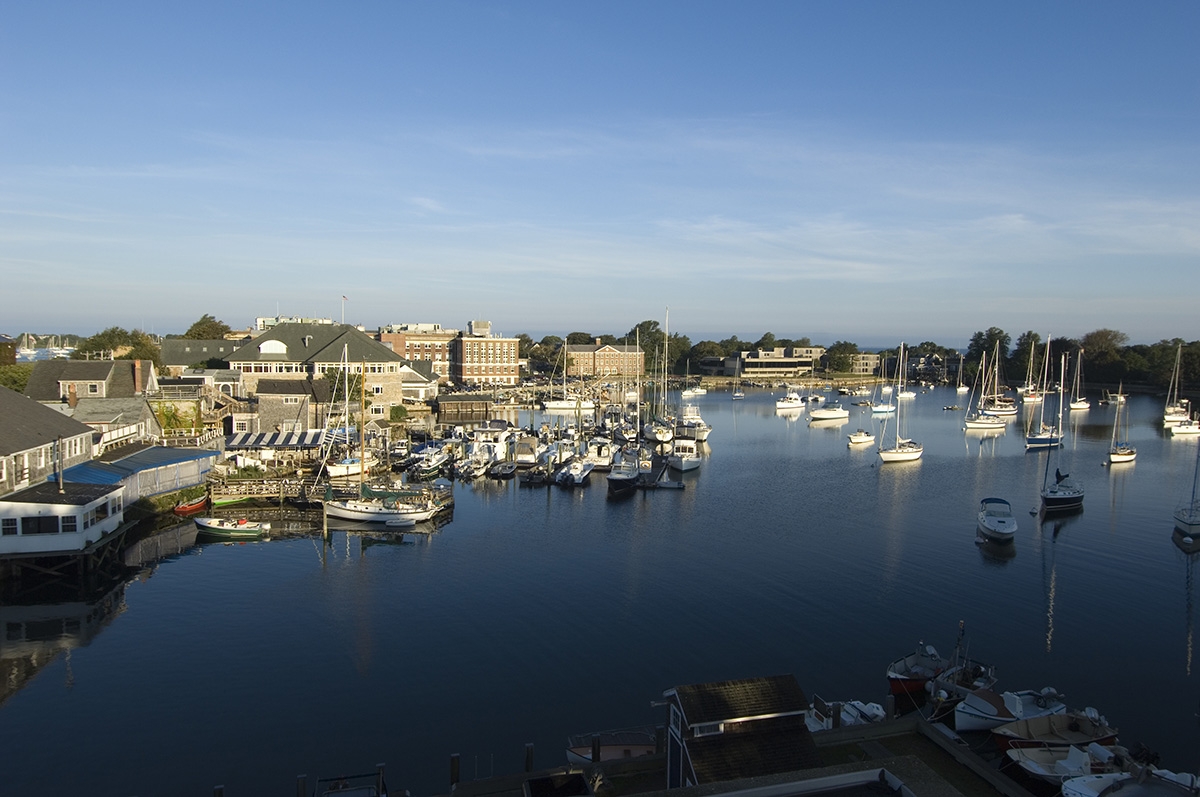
570 401
1120 450
1046 435
993 401
1030 392
1064 493
961 387
980 419
1187 517
1078 400
903 449
658 428
1177 408
738 393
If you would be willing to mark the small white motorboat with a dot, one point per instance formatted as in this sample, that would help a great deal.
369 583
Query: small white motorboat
996 521
1056 764
861 437
983 709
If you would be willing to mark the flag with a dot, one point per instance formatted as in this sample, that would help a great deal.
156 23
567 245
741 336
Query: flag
345 299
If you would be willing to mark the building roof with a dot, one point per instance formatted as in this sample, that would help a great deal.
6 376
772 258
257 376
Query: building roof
28 424
589 348
317 390
316 343
73 493
184 351
117 470
743 698
109 410
47 374
765 747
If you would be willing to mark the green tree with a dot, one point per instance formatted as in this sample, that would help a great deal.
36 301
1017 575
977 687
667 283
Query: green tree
397 413
985 342
15 377
1103 349
580 338
207 328
524 344
1028 349
120 344
840 356
767 341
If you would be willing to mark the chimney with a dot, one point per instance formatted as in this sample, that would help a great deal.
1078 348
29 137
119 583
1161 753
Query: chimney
597 341
137 377
72 395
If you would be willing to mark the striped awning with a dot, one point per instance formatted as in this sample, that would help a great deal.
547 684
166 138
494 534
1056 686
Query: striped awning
309 438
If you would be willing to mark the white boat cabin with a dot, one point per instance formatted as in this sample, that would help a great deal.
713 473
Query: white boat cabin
47 519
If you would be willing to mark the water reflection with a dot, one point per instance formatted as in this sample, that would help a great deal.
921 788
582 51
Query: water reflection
35 634
999 553
1190 546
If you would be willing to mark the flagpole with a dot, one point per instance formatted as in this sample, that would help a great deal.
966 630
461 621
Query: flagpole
343 310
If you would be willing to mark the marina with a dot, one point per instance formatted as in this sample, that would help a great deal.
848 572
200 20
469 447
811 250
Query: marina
526 615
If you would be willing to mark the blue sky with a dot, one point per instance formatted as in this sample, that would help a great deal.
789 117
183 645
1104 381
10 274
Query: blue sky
868 171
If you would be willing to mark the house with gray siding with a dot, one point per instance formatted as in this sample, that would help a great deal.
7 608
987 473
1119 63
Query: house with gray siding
63 381
292 405
33 438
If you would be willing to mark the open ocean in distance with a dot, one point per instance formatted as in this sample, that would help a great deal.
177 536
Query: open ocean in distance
538 613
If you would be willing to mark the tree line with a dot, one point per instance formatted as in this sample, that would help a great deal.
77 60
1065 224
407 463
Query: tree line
1108 357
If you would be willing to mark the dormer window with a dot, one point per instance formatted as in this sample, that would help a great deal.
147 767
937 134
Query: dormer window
272 347
709 728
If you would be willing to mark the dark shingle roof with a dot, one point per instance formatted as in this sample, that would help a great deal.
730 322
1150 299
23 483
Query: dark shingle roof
43 382
27 424
316 389
765 747
745 697
73 493
184 351
316 343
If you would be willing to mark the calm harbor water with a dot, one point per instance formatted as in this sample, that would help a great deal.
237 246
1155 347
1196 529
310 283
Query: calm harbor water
537 613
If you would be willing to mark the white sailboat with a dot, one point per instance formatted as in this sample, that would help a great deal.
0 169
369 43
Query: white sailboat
1046 435
995 402
961 387
1120 450
903 449
1064 493
1078 400
1177 408
571 401
980 419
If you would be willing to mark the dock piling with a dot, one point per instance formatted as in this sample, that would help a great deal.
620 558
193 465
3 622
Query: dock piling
529 757
454 769
302 786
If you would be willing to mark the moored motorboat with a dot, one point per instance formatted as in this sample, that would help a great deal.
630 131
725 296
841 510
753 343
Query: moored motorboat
1079 728
827 715
1137 782
1056 764
860 437
909 674
225 529
996 521
588 748
791 401
984 709
623 478
830 411
685 455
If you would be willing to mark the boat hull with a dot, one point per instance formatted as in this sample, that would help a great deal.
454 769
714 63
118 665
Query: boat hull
223 529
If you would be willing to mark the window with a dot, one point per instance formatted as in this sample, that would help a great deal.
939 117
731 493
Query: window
709 728
241 426
377 390
291 399
39 524
8 526
93 388
69 524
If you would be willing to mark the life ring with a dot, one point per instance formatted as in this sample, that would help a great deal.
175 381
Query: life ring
1041 701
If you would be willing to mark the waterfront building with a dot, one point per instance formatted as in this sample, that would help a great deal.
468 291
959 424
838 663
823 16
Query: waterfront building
864 364
777 363
421 342
263 324
292 405
604 360
312 351
67 381
33 437
733 729
477 357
